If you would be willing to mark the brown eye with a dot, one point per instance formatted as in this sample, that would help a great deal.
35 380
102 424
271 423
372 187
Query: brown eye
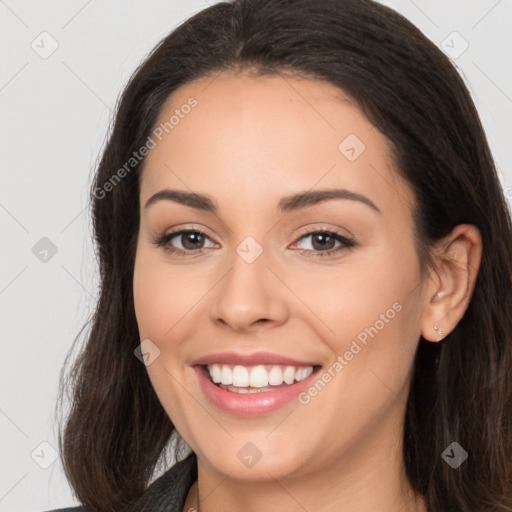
191 241
323 243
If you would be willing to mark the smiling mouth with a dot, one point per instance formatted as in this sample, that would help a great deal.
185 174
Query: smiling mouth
258 378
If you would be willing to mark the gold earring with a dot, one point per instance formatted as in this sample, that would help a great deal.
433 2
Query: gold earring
439 332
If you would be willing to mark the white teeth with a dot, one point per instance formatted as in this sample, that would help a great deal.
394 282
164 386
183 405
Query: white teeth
226 376
240 377
290 374
215 373
275 376
259 376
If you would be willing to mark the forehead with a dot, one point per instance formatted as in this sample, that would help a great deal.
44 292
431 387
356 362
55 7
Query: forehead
267 137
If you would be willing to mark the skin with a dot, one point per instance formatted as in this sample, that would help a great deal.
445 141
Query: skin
248 143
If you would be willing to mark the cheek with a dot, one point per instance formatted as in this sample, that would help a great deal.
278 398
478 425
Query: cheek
158 296
372 317
370 290
159 305
163 294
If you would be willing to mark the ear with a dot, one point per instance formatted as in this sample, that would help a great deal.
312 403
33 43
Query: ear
457 260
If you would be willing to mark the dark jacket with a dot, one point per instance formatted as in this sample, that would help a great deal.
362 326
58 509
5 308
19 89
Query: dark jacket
167 493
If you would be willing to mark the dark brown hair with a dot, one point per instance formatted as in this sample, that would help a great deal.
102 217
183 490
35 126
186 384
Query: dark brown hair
461 390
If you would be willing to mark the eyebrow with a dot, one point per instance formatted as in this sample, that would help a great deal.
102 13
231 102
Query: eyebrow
286 204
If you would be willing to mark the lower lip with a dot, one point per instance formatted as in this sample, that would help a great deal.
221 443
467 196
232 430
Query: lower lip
251 404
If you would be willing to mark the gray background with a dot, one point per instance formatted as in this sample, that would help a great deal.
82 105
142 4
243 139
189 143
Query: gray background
55 113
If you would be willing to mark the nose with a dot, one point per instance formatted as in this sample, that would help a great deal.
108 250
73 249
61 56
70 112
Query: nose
249 297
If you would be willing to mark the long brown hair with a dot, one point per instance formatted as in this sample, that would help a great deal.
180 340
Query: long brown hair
116 429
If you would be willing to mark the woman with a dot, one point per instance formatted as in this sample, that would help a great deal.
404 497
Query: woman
305 261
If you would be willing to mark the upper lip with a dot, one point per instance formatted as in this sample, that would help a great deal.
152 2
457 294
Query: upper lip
252 359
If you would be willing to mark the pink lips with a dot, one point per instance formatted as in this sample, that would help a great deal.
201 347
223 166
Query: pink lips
250 404
250 359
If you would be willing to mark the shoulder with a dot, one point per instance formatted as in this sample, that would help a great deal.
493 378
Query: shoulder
169 491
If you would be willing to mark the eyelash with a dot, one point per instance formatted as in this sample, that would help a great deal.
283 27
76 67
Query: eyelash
163 242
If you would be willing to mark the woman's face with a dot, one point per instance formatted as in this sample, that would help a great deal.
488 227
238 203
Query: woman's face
253 276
